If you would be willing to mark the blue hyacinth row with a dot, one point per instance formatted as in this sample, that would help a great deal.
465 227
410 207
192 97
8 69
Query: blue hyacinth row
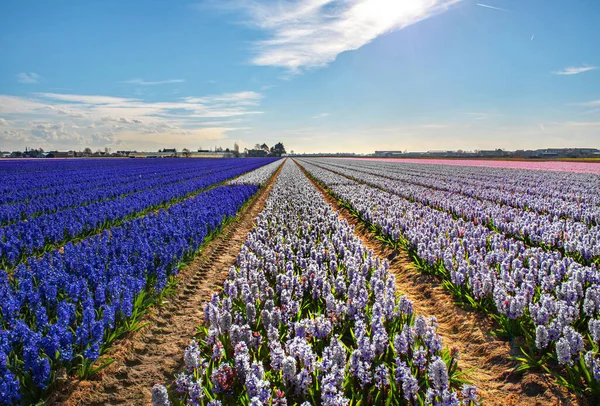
25 238
91 186
58 311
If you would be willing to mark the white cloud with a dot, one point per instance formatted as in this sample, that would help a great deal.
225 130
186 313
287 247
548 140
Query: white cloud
247 98
105 137
28 78
66 112
492 7
3 122
312 33
143 82
97 119
88 99
593 103
583 123
574 70
321 115
55 132
13 135
121 120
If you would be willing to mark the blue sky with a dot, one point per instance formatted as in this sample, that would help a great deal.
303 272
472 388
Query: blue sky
317 75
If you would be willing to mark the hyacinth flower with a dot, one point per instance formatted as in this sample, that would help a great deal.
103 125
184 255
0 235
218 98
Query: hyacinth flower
65 309
308 315
533 291
40 234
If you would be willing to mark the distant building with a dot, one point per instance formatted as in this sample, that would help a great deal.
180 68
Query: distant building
209 154
388 153
60 154
257 153
124 153
152 155
191 154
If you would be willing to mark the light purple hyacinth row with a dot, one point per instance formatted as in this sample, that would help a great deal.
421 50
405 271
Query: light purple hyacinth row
547 293
568 195
310 316
574 237
553 186
258 176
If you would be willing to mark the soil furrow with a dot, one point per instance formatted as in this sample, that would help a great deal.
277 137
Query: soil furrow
484 358
154 354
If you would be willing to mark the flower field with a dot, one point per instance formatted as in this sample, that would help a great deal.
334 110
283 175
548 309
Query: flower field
503 241
309 316
93 245
560 166
301 308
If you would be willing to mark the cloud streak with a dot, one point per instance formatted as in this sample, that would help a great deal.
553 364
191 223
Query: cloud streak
575 70
593 103
321 115
492 7
142 82
312 33
28 78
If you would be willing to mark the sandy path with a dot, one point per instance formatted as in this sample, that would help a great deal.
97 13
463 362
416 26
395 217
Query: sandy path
487 355
155 353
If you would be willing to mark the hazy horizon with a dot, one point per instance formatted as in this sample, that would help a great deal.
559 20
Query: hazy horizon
316 75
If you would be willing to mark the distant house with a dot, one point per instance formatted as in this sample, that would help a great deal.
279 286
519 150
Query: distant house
61 154
388 153
209 154
124 153
152 155
6 155
257 153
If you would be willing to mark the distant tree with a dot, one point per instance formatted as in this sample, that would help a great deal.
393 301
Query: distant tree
236 150
278 149
87 151
257 146
265 147
185 152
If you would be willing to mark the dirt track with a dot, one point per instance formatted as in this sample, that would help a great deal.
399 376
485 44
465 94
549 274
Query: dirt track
470 332
155 353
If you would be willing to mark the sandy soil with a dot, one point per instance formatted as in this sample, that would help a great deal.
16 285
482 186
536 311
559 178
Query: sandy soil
154 354
484 357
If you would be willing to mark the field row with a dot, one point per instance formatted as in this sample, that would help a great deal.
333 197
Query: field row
577 238
62 309
549 299
308 315
33 236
